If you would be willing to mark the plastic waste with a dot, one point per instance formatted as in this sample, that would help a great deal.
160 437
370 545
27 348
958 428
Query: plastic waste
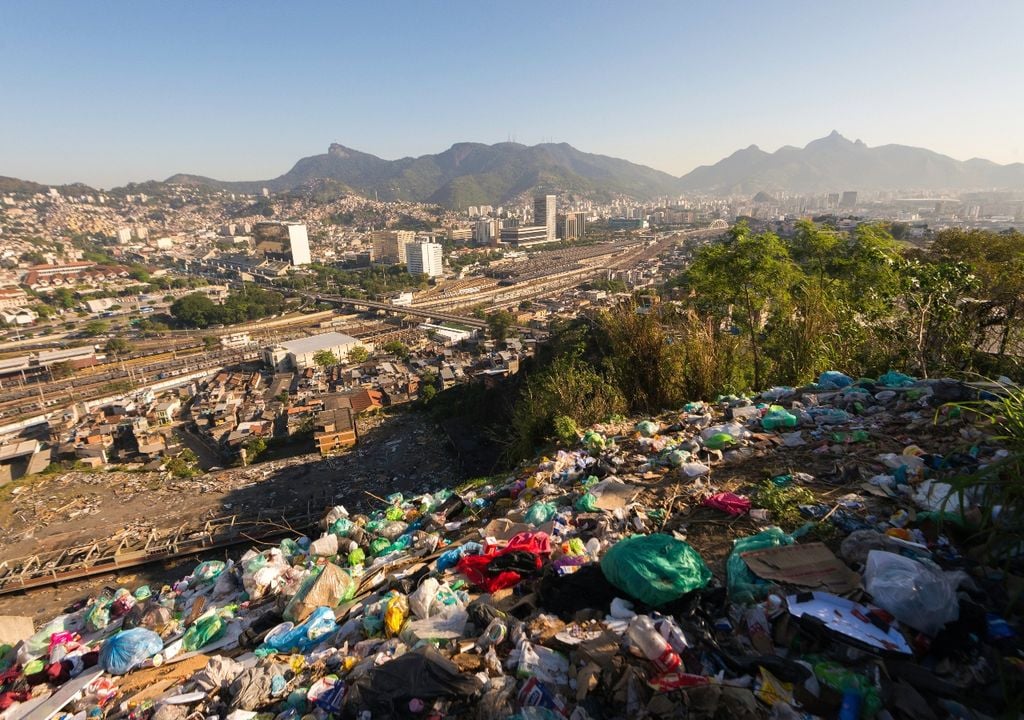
206 572
327 587
694 469
719 441
835 379
539 513
586 503
744 585
450 558
918 595
129 649
647 428
654 569
326 546
204 631
895 379
288 637
644 637
778 417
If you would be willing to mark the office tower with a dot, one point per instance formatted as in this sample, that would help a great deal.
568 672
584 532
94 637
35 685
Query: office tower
425 258
849 199
574 225
544 213
298 243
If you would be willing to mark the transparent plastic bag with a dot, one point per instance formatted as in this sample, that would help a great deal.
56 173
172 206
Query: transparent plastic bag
917 595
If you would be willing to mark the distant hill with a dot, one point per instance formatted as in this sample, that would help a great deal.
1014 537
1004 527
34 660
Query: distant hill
834 163
466 174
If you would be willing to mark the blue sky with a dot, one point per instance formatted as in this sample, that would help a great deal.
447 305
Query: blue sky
111 92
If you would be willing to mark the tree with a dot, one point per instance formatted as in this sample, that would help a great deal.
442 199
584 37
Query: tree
210 342
427 393
117 347
62 369
396 347
499 323
745 277
96 327
195 310
254 448
358 354
325 358
63 298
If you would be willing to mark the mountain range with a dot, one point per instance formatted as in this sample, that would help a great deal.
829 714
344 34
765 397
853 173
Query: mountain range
474 174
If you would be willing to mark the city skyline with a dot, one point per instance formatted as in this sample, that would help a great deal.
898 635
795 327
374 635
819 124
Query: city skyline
115 92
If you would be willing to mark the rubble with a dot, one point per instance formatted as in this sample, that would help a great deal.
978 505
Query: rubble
607 580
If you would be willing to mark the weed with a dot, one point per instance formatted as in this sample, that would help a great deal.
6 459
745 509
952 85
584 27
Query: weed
783 503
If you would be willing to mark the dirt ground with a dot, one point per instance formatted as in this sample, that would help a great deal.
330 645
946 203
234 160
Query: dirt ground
403 452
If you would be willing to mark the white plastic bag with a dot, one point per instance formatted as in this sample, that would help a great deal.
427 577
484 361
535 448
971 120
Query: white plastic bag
918 595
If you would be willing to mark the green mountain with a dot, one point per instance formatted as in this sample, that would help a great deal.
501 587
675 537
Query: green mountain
467 174
834 164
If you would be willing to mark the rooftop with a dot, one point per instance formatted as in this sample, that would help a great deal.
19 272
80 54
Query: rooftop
317 342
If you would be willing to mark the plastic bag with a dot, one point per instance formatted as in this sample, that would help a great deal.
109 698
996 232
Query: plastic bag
356 557
433 598
450 558
744 585
288 637
778 417
835 378
206 573
920 596
98 615
719 441
586 503
647 428
380 546
395 613
326 546
895 379
393 529
341 527
261 574
204 631
655 569
540 512
326 588
129 649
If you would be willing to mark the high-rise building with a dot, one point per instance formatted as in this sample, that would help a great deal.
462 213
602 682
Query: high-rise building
288 241
124 235
486 232
544 209
298 243
425 258
574 225
849 199
389 246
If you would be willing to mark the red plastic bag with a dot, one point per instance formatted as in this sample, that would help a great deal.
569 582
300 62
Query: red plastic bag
729 503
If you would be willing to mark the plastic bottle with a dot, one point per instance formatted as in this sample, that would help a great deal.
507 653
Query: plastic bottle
643 636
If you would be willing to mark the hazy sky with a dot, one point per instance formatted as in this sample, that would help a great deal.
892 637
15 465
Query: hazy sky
110 92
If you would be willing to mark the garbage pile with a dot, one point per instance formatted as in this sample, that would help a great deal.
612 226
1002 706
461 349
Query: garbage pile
574 588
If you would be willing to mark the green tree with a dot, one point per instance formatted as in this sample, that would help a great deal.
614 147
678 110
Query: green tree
117 347
358 354
427 393
396 347
325 358
499 323
195 310
254 447
63 298
744 278
210 342
96 327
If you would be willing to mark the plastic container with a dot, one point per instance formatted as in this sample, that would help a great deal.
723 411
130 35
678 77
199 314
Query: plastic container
645 637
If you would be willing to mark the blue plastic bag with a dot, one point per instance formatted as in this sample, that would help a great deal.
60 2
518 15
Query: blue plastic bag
835 378
450 558
129 649
895 379
288 637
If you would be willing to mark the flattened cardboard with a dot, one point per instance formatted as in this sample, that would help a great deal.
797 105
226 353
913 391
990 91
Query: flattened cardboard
612 494
811 565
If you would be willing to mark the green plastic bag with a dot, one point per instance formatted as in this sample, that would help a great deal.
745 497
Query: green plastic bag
356 557
98 616
540 512
719 441
745 586
655 569
379 546
647 428
341 527
394 513
207 572
778 417
586 503
203 632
